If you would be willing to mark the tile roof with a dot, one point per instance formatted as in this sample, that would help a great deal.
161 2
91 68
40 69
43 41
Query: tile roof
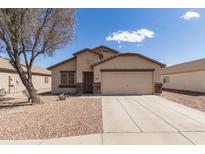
195 65
5 65
130 54
110 49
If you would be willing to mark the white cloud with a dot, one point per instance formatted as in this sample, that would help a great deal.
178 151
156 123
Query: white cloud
120 46
189 15
131 36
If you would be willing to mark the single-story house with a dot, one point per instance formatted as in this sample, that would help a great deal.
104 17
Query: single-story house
11 82
188 76
105 71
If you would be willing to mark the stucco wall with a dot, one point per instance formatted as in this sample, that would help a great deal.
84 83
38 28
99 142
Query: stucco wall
4 80
106 53
127 62
84 60
38 81
56 77
40 85
191 81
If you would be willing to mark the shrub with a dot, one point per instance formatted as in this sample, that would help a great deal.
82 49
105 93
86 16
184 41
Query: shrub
25 92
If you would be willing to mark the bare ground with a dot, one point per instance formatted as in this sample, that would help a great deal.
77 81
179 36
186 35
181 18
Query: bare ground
52 119
193 100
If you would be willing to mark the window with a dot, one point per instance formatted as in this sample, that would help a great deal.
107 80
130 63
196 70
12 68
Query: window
67 78
166 79
46 79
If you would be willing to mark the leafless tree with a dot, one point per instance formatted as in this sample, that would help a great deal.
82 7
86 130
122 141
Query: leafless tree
27 33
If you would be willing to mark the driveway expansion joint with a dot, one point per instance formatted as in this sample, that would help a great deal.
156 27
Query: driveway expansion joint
102 138
130 116
41 142
180 113
187 138
156 115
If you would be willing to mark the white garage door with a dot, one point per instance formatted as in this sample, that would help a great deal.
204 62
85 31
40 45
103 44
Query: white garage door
126 83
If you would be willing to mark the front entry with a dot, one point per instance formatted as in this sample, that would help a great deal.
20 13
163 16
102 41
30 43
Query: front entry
88 82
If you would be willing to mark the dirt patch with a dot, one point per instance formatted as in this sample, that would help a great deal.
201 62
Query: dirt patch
52 119
196 101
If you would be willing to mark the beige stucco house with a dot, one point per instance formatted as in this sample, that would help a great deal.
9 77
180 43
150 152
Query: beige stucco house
10 80
189 76
105 71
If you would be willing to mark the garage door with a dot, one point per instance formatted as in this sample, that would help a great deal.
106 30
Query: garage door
126 83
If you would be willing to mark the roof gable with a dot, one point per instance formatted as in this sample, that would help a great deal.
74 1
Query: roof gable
86 50
130 54
61 63
106 48
116 54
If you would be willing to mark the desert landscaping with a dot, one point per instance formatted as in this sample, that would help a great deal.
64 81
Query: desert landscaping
193 100
51 119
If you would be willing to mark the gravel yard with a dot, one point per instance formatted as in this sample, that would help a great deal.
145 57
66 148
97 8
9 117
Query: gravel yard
192 100
52 119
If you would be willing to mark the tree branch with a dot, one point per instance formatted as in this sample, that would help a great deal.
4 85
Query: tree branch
48 11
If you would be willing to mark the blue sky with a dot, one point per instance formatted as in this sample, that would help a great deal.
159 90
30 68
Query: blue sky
173 40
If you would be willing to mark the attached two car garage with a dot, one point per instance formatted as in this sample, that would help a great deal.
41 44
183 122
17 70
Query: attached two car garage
128 82
127 74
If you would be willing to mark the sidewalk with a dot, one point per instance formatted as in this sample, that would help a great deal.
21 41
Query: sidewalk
74 140
162 138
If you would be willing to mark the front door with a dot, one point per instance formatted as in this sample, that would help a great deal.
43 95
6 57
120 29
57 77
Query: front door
88 82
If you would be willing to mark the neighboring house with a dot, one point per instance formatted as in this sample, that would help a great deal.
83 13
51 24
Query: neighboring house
11 82
189 76
105 71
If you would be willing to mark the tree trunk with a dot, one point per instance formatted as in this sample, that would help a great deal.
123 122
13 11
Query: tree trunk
33 95
27 81
31 90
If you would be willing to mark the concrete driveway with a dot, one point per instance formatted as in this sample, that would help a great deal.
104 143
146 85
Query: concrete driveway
150 120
